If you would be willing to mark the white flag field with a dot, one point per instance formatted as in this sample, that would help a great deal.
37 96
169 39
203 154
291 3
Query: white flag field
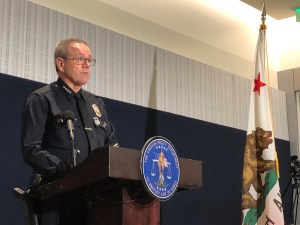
261 199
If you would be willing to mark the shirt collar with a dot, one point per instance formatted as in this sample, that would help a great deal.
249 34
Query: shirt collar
67 90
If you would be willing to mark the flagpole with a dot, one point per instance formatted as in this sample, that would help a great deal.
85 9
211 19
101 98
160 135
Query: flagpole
263 14
263 27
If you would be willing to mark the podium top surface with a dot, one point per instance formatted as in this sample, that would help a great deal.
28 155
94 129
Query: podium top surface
111 166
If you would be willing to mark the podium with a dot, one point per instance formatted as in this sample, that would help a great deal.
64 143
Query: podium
110 178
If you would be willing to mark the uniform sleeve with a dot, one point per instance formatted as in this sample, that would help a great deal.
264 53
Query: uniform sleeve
112 139
34 118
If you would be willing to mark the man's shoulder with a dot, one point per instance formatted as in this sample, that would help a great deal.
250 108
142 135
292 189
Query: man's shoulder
42 90
93 97
46 89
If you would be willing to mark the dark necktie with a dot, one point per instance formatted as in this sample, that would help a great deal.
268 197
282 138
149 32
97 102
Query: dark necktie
87 122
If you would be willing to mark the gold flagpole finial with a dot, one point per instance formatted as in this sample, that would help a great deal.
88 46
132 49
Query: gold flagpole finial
263 18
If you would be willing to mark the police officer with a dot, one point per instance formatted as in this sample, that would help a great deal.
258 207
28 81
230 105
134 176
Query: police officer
45 135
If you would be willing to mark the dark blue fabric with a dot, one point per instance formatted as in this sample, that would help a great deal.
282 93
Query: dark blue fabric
220 149
13 171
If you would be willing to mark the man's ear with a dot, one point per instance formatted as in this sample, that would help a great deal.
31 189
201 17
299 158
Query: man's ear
60 64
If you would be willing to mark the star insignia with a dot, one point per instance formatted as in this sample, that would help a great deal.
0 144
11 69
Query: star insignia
258 84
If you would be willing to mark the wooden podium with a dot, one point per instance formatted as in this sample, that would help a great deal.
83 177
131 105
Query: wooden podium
111 179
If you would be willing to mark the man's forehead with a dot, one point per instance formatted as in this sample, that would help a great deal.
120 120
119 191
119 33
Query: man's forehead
79 48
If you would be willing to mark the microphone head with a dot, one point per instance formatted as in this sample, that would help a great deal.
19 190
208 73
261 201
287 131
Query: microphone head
68 115
293 157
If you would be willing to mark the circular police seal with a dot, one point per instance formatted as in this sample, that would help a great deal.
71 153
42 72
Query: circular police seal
160 168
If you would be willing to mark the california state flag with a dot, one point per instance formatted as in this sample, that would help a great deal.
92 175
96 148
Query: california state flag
261 199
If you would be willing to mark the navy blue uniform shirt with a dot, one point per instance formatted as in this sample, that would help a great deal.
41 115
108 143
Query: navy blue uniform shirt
45 139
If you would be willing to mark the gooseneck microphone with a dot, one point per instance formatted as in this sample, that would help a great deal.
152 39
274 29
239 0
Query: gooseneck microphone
68 116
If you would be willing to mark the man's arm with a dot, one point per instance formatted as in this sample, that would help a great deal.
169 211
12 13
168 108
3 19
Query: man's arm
34 119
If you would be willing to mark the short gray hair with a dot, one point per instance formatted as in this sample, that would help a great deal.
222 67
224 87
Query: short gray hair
62 49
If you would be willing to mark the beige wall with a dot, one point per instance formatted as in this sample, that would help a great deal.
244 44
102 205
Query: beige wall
289 81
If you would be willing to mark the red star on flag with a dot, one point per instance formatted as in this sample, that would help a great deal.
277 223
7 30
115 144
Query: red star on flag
258 84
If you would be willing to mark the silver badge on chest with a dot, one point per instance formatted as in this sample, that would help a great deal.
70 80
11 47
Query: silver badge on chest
96 110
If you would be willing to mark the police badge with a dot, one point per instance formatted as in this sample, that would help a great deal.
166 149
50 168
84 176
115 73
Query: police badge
160 168
96 110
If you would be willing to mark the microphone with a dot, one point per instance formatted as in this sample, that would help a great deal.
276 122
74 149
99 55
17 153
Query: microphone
68 116
293 157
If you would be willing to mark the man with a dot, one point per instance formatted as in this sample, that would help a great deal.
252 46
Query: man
47 142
